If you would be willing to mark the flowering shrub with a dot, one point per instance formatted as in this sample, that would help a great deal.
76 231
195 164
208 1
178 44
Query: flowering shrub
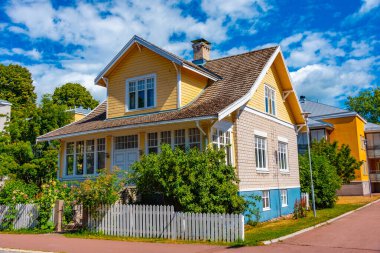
300 209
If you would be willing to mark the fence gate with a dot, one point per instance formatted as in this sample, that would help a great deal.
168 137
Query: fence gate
72 217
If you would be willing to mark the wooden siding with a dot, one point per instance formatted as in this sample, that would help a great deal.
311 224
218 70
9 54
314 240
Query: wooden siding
134 64
245 151
283 109
192 85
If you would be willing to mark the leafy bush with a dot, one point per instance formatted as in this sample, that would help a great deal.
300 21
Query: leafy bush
104 189
300 209
325 178
252 211
16 191
192 181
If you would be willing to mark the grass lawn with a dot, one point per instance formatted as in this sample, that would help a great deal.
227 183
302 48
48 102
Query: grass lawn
274 229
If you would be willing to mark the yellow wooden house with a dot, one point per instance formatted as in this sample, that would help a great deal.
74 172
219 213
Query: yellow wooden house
244 102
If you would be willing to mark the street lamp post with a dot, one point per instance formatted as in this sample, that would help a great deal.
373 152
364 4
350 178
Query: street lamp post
306 116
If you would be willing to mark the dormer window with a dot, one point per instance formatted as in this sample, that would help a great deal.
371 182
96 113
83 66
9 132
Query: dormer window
141 92
270 100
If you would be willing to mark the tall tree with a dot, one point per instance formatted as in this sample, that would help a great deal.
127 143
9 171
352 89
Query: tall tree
367 104
16 86
74 95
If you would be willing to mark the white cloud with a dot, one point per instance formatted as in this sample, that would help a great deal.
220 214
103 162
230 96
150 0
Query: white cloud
102 29
34 53
368 5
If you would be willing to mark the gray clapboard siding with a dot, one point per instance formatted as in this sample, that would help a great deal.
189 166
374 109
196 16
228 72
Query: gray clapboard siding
150 221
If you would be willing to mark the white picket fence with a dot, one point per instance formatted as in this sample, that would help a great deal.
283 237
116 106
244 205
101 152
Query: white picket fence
26 216
163 222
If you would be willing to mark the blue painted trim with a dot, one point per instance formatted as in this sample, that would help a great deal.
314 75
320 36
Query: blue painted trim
276 208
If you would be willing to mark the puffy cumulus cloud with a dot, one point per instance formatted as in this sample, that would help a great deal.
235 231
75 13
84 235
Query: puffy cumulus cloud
368 5
33 54
319 70
102 28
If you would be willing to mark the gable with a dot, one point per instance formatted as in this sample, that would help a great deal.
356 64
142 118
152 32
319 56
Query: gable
276 78
140 61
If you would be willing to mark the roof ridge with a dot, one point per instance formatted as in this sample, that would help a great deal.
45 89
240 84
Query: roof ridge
249 52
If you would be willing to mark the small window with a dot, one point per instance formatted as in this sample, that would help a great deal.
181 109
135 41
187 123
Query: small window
101 154
318 135
166 137
266 200
261 153
363 142
152 143
270 100
179 139
283 156
365 168
90 157
126 142
79 157
70 158
284 197
141 93
222 139
194 138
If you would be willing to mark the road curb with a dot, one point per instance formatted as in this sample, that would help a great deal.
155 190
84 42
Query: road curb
279 239
23 250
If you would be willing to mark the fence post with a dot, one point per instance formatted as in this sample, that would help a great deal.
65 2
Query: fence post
241 227
58 213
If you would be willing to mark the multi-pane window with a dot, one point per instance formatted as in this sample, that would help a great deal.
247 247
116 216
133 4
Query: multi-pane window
284 197
79 157
266 200
261 152
194 138
126 142
70 158
90 156
180 139
166 137
101 154
85 157
152 143
270 100
283 156
141 93
317 135
222 139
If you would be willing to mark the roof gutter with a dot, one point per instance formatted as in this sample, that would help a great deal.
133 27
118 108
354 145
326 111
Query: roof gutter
40 139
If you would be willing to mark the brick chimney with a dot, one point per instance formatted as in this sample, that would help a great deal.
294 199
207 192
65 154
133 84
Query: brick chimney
201 50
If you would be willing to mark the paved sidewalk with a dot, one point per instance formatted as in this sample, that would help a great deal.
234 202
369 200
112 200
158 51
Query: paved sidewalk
357 232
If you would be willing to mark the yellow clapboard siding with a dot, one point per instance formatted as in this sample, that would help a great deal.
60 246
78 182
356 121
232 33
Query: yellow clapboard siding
283 109
135 64
192 85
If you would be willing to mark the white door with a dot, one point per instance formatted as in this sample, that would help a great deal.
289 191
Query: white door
123 159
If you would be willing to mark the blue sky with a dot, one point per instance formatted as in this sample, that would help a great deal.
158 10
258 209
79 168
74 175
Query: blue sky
332 48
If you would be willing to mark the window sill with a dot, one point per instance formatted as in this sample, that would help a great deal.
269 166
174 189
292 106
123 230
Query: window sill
285 172
266 209
262 171
77 177
284 205
140 109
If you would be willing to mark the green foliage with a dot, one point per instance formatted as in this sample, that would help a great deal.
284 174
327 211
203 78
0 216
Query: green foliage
325 178
192 181
367 104
74 95
16 86
104 189
51 192
17 192
341 158
252 211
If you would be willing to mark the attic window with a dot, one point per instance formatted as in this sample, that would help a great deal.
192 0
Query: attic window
270 100
141 93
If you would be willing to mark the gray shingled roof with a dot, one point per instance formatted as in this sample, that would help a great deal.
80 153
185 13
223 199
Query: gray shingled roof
371 127
318 109
318 123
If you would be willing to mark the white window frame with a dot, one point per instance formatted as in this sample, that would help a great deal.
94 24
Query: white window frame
136 79
158 140
96 153
274 108
218 143
266 208
196 142
286 153
266 168
284 197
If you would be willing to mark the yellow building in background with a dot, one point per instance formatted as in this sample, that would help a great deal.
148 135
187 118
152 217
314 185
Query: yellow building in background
346 127
79 113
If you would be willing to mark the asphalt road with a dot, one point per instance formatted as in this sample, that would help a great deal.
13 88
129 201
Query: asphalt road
357 232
